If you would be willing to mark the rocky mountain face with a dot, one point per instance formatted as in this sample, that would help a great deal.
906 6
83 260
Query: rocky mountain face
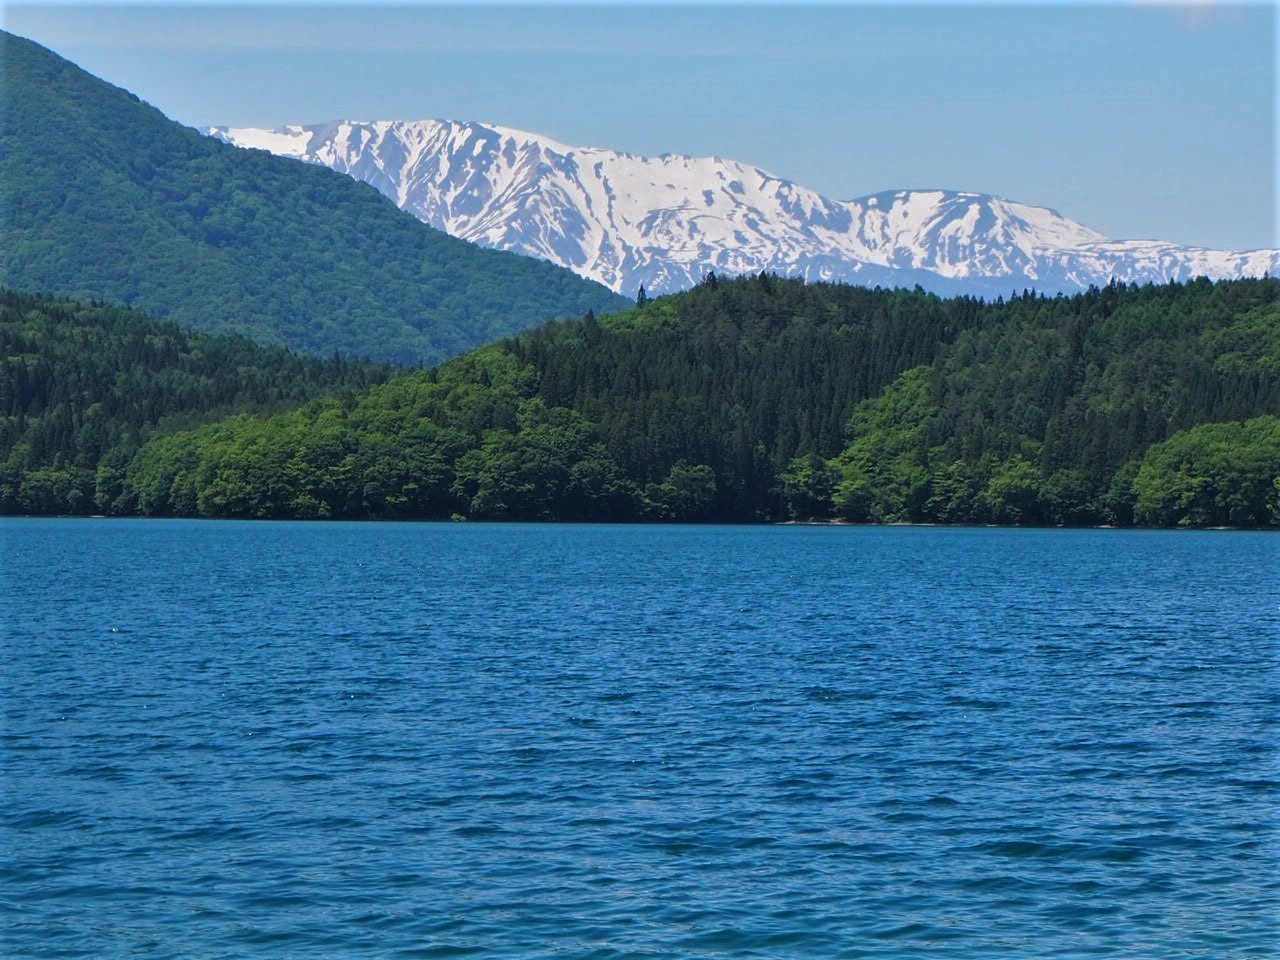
666 221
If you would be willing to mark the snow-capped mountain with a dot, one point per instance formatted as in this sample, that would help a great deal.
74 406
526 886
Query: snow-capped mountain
666 221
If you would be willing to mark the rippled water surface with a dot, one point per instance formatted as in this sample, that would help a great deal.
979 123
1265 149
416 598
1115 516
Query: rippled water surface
327 741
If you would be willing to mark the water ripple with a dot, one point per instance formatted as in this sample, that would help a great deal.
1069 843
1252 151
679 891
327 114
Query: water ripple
323 741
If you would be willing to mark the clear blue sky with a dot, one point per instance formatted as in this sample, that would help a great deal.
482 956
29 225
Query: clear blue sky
1138 120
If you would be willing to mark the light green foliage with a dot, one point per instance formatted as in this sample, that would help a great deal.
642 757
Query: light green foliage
1065 498
1215 474
808 488
1039 414
750 399
551 468
82 387
1012 495
884 469
468 441
687 494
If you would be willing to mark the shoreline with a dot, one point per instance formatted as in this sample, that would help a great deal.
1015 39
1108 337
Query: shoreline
642 523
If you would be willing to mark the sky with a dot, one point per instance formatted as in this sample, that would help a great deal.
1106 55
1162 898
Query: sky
1142 121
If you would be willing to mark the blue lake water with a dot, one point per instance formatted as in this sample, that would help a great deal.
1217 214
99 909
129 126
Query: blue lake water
394 740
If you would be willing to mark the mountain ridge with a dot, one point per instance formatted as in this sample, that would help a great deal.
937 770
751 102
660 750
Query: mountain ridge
627 220
104 197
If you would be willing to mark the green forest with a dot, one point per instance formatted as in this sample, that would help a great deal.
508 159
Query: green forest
104 197
749 400
83 386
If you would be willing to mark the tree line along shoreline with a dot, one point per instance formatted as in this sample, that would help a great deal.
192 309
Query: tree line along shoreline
757 399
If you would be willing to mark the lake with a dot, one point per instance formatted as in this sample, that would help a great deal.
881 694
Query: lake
442 740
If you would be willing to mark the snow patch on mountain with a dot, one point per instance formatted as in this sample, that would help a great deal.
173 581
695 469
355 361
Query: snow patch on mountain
666 221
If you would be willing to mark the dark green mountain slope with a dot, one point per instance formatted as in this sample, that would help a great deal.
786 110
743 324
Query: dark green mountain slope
762 398
84 386
103 196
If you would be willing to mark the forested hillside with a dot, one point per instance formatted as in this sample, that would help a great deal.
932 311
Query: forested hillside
104 197
767 399
84 386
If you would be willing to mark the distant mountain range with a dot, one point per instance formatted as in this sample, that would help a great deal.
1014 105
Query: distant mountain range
666 221
102 196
